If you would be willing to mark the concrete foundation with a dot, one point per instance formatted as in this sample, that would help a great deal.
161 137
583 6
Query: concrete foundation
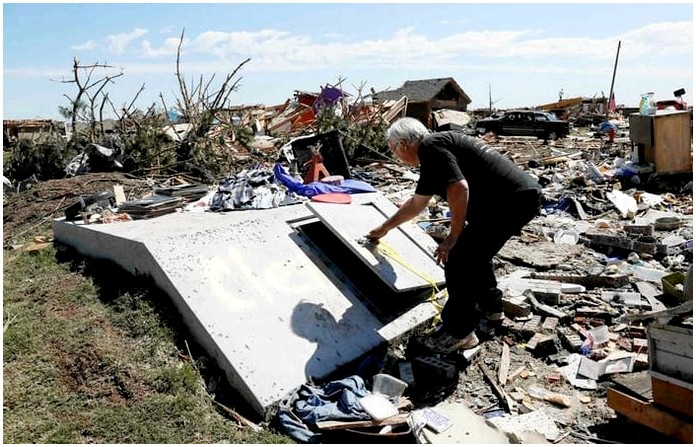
263 300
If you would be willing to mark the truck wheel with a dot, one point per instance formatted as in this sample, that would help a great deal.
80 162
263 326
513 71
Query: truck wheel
551 136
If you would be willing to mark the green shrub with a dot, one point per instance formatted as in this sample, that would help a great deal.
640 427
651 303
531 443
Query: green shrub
43 159
148 147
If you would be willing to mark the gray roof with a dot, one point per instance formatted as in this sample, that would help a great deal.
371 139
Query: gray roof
422 90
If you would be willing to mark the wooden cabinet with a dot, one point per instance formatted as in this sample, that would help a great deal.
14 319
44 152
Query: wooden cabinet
663 139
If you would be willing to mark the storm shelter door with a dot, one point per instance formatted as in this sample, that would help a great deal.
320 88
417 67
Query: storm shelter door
397 259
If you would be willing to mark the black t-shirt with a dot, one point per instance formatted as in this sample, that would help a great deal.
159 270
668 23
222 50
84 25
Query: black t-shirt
447 157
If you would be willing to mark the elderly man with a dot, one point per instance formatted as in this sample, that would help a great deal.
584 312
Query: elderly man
490 200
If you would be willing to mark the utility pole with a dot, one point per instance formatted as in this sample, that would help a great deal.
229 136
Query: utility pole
613 77
490 100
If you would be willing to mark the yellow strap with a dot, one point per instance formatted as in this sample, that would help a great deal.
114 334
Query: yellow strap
389 252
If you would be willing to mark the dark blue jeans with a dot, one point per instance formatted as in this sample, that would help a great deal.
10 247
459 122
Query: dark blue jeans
469 272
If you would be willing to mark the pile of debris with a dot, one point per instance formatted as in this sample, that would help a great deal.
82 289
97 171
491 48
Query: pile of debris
584 284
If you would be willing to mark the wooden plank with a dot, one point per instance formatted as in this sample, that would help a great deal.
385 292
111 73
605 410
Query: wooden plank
651 416
514 374
636 384
672 339
671 350
672 365
684 308
400 262
504 367
672 393
505 400
339 425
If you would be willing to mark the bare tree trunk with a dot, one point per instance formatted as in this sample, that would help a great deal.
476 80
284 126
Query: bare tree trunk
84 88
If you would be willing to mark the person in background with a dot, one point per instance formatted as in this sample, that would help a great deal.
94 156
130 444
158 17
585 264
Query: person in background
490 200
609 129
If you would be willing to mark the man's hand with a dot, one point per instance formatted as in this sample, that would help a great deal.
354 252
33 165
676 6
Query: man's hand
376 234
442 251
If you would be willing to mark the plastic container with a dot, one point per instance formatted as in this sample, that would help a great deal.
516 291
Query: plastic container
570 237
387 385
378 406
647 104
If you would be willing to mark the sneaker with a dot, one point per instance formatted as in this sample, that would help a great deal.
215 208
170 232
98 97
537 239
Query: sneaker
444 343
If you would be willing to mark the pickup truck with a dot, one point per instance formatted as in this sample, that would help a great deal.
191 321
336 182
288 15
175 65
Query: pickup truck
535 123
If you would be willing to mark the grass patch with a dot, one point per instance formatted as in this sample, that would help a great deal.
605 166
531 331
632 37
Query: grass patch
93 355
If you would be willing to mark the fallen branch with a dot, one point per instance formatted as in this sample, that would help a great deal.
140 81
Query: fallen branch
239 418
43 219
505 400
7 323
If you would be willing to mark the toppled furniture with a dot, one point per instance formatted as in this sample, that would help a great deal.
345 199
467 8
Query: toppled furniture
662 398
671 366
663 139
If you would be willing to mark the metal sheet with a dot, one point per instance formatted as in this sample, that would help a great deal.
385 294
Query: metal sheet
398 260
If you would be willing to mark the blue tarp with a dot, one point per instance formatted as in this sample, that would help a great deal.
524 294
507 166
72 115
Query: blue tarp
348 186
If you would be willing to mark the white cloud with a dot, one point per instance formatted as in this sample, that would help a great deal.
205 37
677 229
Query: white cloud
89 45
517 51
167 49
119 42
669 39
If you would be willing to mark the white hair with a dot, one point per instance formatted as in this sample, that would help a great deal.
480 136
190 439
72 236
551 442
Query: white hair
407 129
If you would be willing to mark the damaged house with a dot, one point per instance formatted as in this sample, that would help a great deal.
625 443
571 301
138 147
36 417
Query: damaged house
27 129
427 96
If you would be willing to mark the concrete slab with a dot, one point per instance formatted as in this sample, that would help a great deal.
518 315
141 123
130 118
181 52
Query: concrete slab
256 294
387 258
538 421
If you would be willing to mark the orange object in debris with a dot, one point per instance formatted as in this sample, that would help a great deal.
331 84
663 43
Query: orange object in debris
317 170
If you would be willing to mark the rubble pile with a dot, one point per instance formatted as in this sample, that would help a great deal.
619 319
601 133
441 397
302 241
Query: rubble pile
581 285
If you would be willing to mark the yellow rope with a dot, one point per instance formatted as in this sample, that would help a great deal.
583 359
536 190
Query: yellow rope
389 252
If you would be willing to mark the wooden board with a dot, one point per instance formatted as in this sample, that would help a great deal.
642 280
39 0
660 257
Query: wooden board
672 138
398 260
651 416
636 384
342 425
673 394
671 350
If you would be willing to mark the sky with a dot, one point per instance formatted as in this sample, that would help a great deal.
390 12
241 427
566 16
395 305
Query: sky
508 54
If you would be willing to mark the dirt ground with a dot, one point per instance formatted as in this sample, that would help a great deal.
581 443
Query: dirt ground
47 200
